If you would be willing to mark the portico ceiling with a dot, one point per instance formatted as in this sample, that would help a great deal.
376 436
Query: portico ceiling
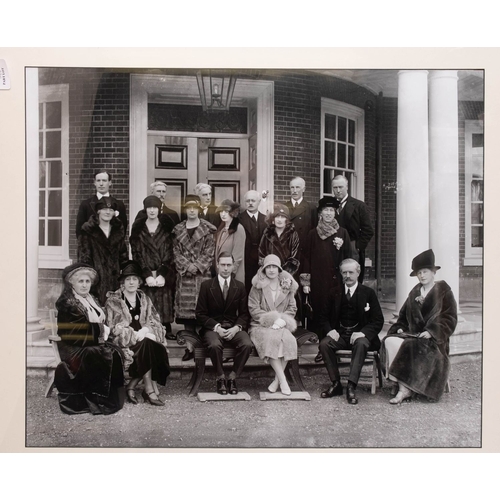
470 82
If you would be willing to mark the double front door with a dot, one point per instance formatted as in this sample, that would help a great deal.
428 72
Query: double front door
182 162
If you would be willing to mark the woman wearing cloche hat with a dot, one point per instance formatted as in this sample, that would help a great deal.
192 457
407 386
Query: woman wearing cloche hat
271 304
415 352
280 238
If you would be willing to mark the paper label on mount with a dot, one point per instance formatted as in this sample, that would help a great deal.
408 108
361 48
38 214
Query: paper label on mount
4 76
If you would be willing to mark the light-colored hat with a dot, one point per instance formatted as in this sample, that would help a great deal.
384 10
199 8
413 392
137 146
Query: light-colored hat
273 260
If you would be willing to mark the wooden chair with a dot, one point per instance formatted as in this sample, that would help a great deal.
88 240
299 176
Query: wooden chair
200 355
344 356
53 339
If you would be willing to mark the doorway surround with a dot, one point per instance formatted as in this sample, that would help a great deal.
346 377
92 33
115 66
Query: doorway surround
184 90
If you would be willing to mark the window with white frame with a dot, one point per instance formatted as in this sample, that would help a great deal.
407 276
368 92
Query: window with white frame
53 130
342 146
474 193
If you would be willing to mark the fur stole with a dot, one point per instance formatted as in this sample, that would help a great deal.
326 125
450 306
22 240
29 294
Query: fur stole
267 320
286 281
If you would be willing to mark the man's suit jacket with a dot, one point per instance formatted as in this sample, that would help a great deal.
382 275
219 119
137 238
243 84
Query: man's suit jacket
355 218
212 309
87 209
254 231
173 215
304 217
369 314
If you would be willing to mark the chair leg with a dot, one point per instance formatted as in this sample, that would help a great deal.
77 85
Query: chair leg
199 371
374 376
50 384
296 374
379 369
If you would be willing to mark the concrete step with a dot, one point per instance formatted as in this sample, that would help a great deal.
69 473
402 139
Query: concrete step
42 348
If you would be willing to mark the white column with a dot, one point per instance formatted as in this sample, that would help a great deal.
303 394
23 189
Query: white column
34 329
443 175
412 217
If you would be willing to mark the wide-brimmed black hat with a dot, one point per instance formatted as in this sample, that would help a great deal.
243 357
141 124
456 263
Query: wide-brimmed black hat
152 201
106 202
328 201
424 260
192 199
130 268
70 271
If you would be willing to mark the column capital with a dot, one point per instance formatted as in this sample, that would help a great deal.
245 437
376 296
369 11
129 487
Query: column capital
444 73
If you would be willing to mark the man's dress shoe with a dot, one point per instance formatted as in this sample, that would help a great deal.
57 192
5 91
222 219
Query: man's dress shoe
221 386
231 386
318 358
334 390
351 395
187 355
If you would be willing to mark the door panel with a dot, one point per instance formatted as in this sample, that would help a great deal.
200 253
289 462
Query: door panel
183 162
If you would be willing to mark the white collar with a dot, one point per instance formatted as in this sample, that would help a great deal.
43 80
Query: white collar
99 195
297 202
344 199
221 281
253 216
352 288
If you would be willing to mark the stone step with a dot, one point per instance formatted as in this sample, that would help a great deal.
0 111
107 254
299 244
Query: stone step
41 348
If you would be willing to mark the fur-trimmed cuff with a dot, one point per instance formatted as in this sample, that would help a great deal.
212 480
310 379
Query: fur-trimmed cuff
267 320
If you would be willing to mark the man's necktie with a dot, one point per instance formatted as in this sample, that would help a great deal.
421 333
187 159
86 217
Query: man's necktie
340 208
225 290
348 295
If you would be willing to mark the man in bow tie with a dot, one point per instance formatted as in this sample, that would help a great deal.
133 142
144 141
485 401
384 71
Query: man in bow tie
254 223
222 313
102 183
352 215
352 322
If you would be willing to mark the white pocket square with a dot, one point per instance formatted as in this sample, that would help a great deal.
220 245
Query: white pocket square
367 307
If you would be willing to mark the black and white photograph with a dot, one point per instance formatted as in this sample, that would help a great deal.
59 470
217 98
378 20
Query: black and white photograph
254 257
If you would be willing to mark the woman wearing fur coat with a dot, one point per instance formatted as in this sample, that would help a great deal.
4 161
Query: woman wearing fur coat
271 304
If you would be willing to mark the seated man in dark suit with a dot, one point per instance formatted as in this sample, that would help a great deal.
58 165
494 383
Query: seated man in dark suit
222 313
102 183
159 189
352 322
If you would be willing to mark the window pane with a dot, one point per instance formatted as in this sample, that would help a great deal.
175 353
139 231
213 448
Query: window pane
477 191
53 148
328 175
352 131
477 213
41 204
40 115
342 133
330 153
350 158
477 140
477 236
341 156
477 166
54 237
40 145
42 173
55 203
41 232
55 174
53 111
330 126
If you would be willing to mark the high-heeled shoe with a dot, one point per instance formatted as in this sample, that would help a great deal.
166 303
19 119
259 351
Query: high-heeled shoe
394 389
273 387
403 394
131 397
151 401
285 388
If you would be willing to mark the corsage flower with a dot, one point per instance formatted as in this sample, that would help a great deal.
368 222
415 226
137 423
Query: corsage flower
338 242
419 299
285 284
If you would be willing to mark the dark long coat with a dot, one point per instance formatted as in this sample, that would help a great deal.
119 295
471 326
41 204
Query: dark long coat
423 364
304 217
90 376
321 263
87 209
286 247
104 254
254 230
199 250
155 253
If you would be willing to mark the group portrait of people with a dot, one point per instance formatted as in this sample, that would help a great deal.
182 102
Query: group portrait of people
241 279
